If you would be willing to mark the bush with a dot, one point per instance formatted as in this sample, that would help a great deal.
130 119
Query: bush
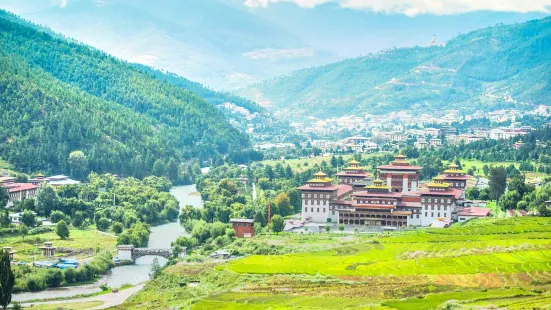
103 224
117 227
57 216
70 275
33 284
62 230
40 230
53 278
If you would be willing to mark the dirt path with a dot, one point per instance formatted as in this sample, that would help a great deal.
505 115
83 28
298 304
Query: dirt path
109 300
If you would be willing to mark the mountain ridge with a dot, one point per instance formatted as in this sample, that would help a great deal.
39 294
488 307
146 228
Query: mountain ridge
484 69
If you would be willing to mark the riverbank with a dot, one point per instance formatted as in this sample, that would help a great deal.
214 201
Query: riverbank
161 237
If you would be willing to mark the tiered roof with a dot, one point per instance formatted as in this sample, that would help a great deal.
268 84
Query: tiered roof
400 163
320 182
453 173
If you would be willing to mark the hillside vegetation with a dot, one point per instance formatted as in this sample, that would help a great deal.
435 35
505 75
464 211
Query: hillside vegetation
58 96
498 66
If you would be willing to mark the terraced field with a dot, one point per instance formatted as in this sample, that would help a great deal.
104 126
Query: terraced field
489 263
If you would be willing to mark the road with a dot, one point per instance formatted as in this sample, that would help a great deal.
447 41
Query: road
109 300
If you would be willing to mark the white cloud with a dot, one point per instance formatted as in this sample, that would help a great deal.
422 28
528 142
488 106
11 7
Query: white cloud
415 7
63 3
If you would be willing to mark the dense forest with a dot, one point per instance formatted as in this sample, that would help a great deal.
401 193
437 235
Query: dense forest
58 96
491 68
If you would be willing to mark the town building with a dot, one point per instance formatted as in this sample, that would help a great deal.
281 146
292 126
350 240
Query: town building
455 177
317 195
352 174
19 191
60 180
395 203
244 228
400 175
466 214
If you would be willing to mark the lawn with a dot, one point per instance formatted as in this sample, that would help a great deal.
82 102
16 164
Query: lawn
79 240
69 305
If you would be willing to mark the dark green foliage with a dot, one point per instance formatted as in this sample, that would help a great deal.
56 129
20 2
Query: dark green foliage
58 97
28 218
137 235
62 230
277 223
4 197
117 227
103 224
7 279
497 182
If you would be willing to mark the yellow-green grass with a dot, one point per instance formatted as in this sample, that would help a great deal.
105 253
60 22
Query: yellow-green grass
496 245
78 240
432 301
69 305
298 164
283 301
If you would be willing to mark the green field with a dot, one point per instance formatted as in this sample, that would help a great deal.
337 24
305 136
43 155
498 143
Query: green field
80 241
483 263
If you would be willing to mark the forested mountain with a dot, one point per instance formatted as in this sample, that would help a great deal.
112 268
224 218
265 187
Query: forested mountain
496 66
210 41
58 96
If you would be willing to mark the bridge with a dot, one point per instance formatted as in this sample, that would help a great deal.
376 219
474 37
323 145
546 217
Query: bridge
131 253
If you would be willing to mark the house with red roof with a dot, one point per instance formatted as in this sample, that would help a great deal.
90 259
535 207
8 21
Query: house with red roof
466 214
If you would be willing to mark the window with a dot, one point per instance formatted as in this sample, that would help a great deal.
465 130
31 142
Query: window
305 209
432 214
432 208
417 215
323 210
438 214
449 201
318 210
426 214
311 209
333 212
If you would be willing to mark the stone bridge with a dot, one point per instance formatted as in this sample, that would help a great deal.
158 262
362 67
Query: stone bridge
130 253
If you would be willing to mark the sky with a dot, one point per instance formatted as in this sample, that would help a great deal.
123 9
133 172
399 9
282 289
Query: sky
416 7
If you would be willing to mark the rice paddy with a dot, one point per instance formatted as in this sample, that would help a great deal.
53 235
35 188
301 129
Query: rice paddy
490 263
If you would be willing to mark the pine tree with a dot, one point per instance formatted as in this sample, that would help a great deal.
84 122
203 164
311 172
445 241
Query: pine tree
7 279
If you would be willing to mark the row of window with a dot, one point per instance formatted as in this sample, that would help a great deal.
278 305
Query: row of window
432 214
436 200
384 202
425 207
315 196
316 202
317 210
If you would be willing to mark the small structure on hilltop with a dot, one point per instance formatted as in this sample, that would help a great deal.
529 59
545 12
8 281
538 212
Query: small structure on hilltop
244 228
48 250
472 212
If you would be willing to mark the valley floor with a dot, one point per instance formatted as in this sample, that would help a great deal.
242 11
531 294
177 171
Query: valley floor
487 263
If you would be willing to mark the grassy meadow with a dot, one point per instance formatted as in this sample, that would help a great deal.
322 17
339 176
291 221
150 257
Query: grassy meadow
79 241
483 263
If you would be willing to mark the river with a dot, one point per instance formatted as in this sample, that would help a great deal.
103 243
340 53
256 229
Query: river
161 237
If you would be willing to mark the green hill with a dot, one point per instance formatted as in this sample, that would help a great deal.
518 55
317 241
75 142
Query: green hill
484 69
57 96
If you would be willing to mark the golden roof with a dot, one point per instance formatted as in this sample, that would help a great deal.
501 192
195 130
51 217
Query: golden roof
320 180
438 178
353 162
400 156
377 184
453 165
440 185
320 174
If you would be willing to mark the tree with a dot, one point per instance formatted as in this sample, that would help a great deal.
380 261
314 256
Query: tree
23 231
277 223
57 216
327 228
117 227
334 162
62 230
486 169
158 168
7 279
155 268
5 220
341 227
28 218
4 197
78 164
472 193
284 204
46 199
509 200
103 224
497 182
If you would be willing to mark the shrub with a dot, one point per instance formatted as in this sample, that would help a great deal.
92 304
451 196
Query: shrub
40 230
117 227
62 230
70 275
103 224
33 284
53 278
